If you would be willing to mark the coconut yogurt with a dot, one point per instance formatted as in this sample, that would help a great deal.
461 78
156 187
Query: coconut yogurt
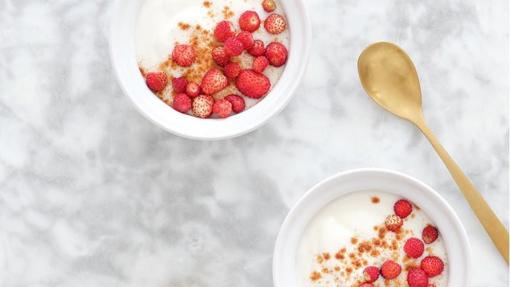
162 24
349 234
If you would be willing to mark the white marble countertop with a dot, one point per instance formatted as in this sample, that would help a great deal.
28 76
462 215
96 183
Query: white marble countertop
92 194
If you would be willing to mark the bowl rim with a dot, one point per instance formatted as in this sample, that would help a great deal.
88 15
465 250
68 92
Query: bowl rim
286 227
211 131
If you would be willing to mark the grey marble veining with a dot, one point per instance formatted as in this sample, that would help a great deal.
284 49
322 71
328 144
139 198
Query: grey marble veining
92 194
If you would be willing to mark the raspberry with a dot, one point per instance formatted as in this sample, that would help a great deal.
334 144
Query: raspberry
219 56
417 278
183 55
202 106
275 24
224 30
213 81
432 265
156 81
429 234
222 108
366 285
237 102
252 84
232 70
390 269
246 38
268 5
414 247
192 89
233 47
403 208
179 84
182 103
249 21
371 273
276 53
260 64
393 222
258 48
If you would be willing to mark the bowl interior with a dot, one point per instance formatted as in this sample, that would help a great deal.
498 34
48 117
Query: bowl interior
452 231
122 48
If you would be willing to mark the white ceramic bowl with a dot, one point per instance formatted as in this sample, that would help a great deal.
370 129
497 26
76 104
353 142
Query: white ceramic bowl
122 50
452 231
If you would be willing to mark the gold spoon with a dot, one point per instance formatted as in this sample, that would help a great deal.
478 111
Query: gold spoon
389 77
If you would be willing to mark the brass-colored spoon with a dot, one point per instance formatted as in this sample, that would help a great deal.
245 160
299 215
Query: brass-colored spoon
389 77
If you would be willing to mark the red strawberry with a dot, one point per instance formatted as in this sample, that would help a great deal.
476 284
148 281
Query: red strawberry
179 84
432 265
237 102
202 106
184 55
417 278
252 84
390 269
268 5
403 208
213 81
156 81
393 222
182 103
414 247
246 38
260 64
276 53
429 234
371 273
192 89
222 108
275 24
249 21
219 56
233 47
258 48
366 285
224 30
232 70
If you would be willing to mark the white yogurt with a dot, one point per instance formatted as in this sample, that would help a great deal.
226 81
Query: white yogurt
354 216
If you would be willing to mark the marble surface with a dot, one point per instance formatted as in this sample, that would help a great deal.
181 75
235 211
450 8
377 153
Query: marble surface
92 194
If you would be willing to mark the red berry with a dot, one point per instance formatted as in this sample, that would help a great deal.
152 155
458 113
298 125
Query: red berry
222 108
268 5
246 38
253 84
429 234
202 106
219 56
366 285
260 64
249 21
179 84
232 70
156 81
371 273
182 103
275 24
403 208
184 55
393 222
414 247
233 47
213 81
237 102
258 48
224 30
276 53
432 265
431 285
417 278
390 269
192 89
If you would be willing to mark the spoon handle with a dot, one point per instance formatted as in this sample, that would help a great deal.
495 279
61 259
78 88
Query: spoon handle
489 220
